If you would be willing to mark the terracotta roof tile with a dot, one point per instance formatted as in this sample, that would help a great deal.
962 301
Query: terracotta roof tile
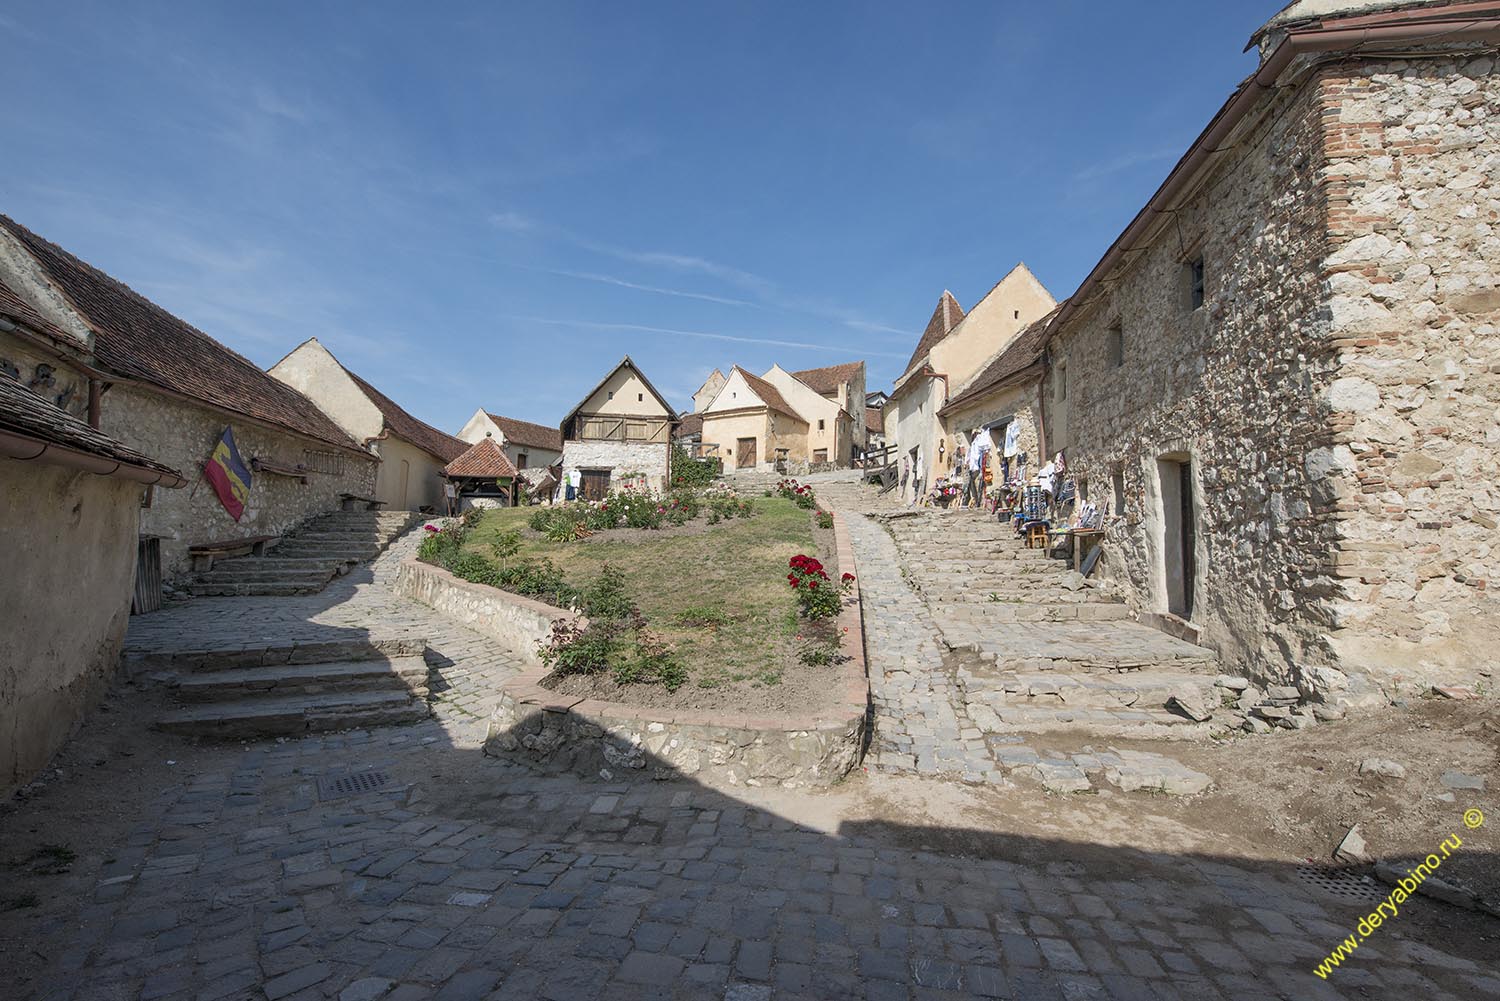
691 424
875 420
403 425
138 339
769 395
528 434
944 318
483 459
827 380
1019 355
24 413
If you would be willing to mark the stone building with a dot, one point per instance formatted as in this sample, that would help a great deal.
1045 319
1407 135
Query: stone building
953 349
70 512
412 453
166 389
1283 375
526 445
751 424
619 435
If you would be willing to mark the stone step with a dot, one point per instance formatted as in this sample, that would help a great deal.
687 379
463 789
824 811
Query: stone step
404 674
277 654
294 714
1144 690
976 601
352 536
263 589
326 551
237 573
1096 722
981 618
289 564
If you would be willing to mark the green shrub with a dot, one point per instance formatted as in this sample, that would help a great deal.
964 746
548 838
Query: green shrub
690 472
575 650
818 653
714 517
651 662
825 520
608 597
506 544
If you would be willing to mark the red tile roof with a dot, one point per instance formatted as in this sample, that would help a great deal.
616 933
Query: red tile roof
528 434
406 427
875 420
826 381
769 394
1019 356
139 340
28 415
484 459
691 424
944 318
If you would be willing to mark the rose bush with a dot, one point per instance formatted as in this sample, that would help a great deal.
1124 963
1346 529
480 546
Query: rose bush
818 597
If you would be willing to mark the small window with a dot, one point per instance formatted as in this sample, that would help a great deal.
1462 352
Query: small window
639 397
820 423
1016 314
1083 488
611 395
1117 484
1193 273
1116 345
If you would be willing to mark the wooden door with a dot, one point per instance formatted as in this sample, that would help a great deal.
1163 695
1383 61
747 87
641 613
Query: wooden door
744 453
595 484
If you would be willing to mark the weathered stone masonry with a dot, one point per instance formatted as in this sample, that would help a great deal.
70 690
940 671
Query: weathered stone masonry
1337 392
1413 280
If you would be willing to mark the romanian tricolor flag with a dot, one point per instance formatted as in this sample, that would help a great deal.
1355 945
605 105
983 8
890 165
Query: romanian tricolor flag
229 475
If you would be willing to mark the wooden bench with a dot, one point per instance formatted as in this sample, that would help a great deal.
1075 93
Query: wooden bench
204 554
350 502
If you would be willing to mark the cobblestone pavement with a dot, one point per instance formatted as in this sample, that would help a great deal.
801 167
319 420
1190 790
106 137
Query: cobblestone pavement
466 667
244 874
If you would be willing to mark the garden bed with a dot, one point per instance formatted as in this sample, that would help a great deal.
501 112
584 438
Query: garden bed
713 596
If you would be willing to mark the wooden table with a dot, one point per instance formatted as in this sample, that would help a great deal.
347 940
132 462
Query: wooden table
1077 535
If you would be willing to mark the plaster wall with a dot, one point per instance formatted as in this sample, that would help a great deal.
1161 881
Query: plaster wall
316 374
725 430
69 539
424 485
815 407
1016 301
624 393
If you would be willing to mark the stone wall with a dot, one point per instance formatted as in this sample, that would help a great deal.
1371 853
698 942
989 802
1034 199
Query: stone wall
520 624
69 539
183 436
1019 403
619 457
1231 388
1413 278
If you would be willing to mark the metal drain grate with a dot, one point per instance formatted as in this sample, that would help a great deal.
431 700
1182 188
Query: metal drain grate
1348 885
351 785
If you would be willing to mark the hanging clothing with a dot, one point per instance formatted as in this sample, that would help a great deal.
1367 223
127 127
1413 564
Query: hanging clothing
1045 476
977 452
1012 438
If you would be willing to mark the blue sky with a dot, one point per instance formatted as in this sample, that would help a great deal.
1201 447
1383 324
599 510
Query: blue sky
490 205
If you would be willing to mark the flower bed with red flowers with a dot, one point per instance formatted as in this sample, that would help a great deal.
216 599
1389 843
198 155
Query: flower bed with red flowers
818 597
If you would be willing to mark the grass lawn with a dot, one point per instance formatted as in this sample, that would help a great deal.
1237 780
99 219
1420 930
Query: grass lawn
717 593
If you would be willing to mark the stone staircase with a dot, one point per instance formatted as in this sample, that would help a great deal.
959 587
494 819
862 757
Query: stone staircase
1039 648
309 556
287 689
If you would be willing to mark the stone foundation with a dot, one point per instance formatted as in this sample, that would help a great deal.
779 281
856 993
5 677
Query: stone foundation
520 624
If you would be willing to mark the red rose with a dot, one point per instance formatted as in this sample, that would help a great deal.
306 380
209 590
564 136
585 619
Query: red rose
812 585
848 577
